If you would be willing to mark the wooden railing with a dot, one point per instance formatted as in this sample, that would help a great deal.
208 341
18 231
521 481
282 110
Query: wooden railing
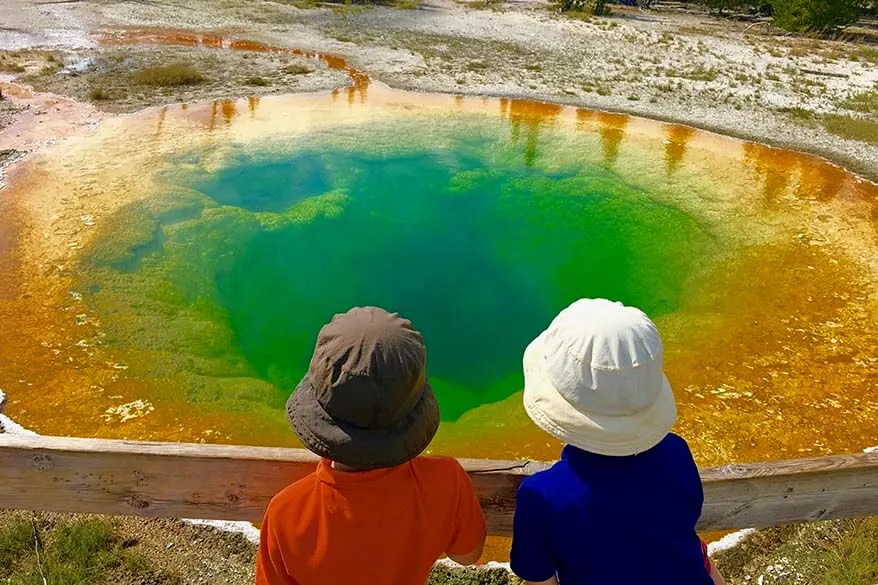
236 483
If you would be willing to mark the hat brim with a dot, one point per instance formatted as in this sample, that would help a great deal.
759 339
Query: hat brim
357 447
602 434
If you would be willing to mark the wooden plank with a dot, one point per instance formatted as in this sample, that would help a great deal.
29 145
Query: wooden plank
781 492
236 483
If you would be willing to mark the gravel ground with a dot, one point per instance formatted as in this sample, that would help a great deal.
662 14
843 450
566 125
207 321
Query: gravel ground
177 553
227 74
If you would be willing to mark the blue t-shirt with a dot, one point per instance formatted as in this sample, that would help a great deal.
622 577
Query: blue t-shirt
597 520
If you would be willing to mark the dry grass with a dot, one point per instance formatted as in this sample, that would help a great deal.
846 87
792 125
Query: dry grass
842 125
6 67
865 53
33 552
852 127
11 61
701 73
856 52
853 558
866 102
455 576
822 553
297 69
481 4
98 94
35 61
477 66
173 75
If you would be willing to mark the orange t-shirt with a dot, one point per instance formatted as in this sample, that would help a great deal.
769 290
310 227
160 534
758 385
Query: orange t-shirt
380 527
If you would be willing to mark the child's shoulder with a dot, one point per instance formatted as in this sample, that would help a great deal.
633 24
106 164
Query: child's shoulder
291 496
561 478
551 482
677 449
675 441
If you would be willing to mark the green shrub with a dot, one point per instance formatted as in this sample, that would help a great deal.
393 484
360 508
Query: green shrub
82 543
260 81
852 128
16 539
815 15
595 7
702 73
97 94
721 6
71 552
854 558
169 75
866 102
297 69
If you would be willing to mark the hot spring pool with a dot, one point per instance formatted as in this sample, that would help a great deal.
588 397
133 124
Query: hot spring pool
165 277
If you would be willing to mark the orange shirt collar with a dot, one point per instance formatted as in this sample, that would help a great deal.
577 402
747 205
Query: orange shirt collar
340 479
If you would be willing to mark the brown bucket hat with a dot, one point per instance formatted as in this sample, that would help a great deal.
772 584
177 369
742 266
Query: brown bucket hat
365 401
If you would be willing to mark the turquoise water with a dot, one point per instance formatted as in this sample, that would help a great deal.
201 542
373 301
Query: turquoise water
477 241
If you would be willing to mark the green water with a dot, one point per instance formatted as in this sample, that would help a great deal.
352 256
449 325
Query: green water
232 272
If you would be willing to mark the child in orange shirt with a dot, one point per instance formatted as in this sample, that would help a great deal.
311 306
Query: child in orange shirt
374 512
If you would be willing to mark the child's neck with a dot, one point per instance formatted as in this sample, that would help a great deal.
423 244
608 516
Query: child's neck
343 467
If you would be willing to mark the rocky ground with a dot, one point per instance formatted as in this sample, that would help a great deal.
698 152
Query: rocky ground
137 551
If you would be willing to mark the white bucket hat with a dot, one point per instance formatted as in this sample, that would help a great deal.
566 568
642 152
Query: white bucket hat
594 379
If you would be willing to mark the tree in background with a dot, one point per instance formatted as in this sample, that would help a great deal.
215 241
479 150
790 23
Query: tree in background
816 15
801 15
596 7
721 6
600 7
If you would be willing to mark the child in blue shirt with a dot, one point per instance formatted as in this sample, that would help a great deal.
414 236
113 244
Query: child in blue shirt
621 505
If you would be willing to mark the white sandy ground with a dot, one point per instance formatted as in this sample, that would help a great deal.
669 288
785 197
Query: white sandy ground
9 426
251 533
